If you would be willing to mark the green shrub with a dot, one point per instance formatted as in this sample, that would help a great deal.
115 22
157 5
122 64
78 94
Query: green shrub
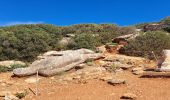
11 67
86 40
26 42
22 94
145 43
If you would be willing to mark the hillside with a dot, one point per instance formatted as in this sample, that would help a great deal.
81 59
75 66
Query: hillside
25 42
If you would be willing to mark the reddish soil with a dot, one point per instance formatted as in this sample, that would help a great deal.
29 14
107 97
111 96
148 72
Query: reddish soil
144 88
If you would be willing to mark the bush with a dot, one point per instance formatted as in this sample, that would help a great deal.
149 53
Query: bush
21 95
145 43
26 42
86 40
11 67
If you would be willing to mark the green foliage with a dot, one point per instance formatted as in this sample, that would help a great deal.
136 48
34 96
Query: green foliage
11 67
3 69
84 40
145 43
21 95
26 42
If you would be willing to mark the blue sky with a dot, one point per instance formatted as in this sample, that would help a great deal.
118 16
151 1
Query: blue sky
68 12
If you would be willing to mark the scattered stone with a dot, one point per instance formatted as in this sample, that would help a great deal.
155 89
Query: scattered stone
121 65
129 96
116 81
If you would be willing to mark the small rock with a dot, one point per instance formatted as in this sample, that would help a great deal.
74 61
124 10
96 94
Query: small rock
80 66
137 71
129 96
31 80
116 81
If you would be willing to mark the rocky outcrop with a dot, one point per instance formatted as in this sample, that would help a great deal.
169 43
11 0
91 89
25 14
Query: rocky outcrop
52 65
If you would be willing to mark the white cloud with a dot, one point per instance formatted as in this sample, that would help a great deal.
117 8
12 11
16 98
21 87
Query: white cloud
19 22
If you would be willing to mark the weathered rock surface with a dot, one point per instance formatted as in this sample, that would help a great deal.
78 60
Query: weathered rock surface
52 65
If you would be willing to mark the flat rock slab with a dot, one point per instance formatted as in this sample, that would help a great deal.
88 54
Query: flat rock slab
116 81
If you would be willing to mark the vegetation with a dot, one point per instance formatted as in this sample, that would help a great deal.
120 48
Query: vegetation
145 43
11 67
26 42
21 95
